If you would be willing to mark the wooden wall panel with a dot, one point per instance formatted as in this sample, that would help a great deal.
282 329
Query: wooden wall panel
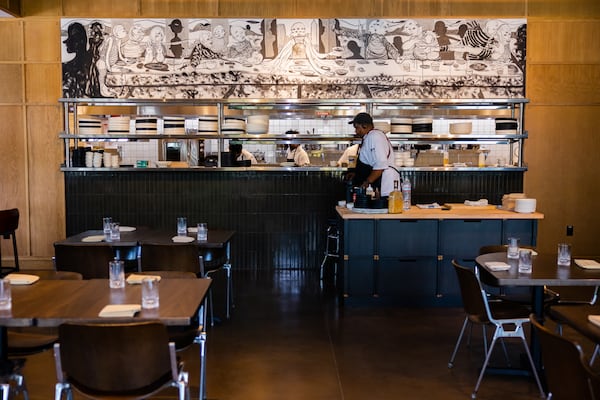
13 180
12 41
563 84
41 89
454 8
11 89
36 8
337 8
42 40
564 8
559 42
46 181
101 8
563 173
179 8
260 8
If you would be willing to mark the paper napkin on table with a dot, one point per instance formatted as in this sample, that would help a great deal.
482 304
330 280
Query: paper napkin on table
136 279
588 264
93 238
120 310
127 228
22 279
182 239
432 205
594 319
497 265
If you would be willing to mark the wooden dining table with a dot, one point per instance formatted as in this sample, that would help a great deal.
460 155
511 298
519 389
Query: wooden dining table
49 303
545 272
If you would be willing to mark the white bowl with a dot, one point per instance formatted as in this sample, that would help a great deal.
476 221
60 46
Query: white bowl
525 206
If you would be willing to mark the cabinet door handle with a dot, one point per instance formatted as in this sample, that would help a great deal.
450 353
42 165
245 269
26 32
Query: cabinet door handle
472 220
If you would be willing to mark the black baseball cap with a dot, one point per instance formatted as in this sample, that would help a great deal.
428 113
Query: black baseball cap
362 119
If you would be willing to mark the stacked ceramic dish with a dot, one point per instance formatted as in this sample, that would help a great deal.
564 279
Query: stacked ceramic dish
402 159
383 126
146 125
506 126
174 125
460 128
525 206
257 124
401 125
89 125
208 125
118 124
422 126
234 126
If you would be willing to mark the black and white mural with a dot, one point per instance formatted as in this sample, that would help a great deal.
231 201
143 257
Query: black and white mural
293 58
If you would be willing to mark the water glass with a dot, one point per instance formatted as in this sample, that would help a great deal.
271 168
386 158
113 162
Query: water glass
181 226
115 231
525 261
5 295
150 297
564 254
513 248
116 274
106 221
202 232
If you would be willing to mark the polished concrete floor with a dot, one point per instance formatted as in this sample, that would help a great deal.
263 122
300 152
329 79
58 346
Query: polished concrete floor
289 339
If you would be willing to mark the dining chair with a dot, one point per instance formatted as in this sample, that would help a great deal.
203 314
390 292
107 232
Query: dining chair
9 222
568 374
5 390
176 257
91 261
506 317
117 360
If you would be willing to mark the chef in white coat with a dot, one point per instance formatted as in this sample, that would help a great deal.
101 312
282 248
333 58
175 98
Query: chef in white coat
296 153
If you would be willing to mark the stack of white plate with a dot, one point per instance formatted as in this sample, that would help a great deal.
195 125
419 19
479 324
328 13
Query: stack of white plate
402 159
460 128
383 126
525 205
208 125
506 126
257 124
234 125
422 126
146 125
118 124
401 125
174 125
89 125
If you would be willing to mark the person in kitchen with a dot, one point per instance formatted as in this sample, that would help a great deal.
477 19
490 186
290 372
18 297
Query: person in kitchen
297 153
375 157
240 154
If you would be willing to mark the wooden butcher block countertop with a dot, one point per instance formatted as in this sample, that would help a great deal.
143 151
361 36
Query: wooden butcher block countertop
456 211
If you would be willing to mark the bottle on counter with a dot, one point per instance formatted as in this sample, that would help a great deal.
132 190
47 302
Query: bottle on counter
370 193
395 203
406 189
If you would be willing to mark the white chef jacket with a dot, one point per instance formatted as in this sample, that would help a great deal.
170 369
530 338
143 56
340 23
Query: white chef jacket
377 151
350 151
246 155
299 155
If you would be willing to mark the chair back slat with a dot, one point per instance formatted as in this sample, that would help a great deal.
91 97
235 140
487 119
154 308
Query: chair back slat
91 261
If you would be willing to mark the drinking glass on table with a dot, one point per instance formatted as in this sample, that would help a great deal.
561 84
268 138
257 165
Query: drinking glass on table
116 274
202 232
115 231
150 298
525 261
564 255
5 294
181 226
513 248
106 221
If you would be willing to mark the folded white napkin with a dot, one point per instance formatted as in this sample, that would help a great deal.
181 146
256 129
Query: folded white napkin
136 279
497 265
588 264
22 279
120 310
126 228
480 202
594 319
432 205
93 238
182 239
193 229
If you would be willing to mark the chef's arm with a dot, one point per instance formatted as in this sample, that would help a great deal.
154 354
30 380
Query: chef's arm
373 176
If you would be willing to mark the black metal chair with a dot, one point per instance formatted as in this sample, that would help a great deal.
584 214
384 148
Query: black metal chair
9 222
117 360
506 317
568 375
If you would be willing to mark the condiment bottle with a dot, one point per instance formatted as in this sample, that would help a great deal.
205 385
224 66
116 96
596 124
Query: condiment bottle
370 193
395 200
406 189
